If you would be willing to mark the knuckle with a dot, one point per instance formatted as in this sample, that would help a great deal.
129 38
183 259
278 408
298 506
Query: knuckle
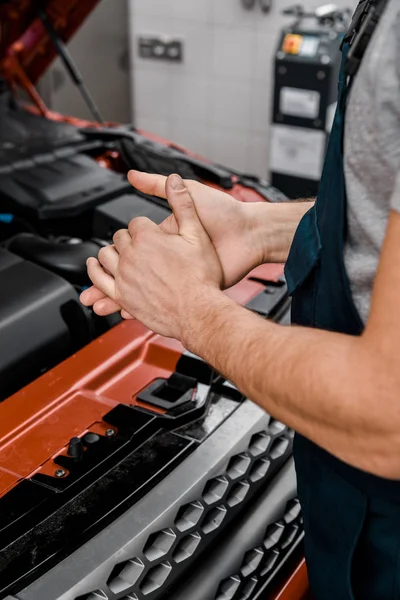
117 235
141 222
103 253
138 224
139 227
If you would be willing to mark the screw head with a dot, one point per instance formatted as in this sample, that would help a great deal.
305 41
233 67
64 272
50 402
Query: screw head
110 433
60 473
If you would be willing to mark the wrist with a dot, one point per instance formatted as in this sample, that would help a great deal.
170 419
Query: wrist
272 228
202 318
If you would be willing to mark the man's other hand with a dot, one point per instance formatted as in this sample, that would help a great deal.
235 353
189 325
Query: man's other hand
230 225
160 277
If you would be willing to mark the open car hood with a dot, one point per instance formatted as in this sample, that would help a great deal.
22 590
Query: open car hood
24 42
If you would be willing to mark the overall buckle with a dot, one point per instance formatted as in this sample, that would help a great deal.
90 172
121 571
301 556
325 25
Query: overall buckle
364 23
359 15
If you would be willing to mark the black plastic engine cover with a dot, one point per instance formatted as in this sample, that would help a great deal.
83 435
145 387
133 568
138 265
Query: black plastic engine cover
63 183
36 311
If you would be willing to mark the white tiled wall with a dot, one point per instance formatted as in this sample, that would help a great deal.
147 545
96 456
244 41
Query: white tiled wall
217 102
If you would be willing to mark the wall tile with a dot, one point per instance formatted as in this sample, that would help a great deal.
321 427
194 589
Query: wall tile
192 135
230 14
229 147
198 39
155 8
189 97
152 95
257 156
234 52
264 57
193 10
260 107
230 104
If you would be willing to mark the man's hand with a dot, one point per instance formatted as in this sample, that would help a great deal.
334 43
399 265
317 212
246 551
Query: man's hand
157 277
230 225
244 235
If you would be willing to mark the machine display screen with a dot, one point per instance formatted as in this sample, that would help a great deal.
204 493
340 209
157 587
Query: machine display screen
301 45
309 47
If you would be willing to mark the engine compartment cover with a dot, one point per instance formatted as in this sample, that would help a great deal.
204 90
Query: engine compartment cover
32 304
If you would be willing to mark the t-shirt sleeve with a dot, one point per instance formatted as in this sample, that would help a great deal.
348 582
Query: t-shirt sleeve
395 199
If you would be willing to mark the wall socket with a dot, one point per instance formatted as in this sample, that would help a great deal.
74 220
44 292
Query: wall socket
158 48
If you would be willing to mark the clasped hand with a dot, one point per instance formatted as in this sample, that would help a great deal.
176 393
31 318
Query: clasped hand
158 274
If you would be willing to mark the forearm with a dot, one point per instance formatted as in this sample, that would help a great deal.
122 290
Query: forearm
324 385
274 225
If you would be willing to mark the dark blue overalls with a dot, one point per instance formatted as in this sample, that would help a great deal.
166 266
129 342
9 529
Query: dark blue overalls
352 519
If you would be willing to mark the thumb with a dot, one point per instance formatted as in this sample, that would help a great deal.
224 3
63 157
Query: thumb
183 207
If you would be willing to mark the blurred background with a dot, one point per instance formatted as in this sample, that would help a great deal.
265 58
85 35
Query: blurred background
215 101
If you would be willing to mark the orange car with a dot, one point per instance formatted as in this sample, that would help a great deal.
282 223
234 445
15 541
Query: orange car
129 470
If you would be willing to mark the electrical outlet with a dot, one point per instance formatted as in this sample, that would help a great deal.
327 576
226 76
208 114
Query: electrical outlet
158 48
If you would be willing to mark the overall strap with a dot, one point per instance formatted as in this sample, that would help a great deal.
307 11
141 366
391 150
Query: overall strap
362 28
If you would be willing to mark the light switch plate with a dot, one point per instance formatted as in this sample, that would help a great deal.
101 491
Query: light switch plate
159 48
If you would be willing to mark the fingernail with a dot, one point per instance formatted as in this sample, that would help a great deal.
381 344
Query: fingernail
176 182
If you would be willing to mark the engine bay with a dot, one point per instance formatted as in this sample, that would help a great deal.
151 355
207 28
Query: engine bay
63 194
126 463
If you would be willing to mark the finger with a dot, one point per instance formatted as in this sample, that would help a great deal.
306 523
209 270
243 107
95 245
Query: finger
100 279
121 240
141 224
183 207
106 306
91 295
109 259
153 185
125 315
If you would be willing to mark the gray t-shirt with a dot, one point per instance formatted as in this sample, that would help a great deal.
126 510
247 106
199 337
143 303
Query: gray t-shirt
372 155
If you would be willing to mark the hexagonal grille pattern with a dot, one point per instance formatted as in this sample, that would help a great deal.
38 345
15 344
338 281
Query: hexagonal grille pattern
189 515
155 578
238 493
159 544
270 562
238 466
248 589
228 588
259 443
259 469
186 547
96 595
279 447
125 575
293 511
251 560
214 519
215 489
273 535
260 563
167 552
276 427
